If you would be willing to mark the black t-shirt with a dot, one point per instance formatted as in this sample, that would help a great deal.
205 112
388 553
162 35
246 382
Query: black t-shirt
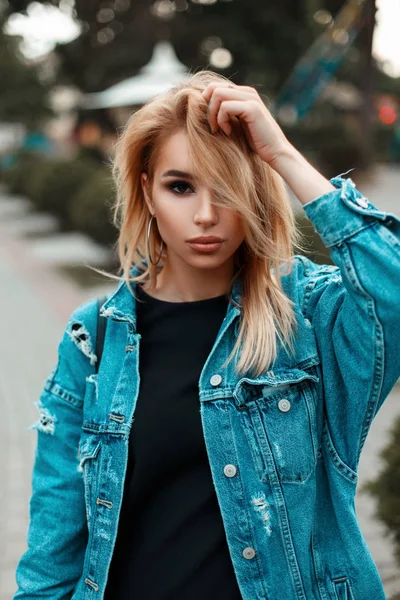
171 543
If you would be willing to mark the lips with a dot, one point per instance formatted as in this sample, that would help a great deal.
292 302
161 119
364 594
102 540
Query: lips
205 240
206 248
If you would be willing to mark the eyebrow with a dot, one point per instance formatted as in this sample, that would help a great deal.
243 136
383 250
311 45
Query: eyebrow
175 173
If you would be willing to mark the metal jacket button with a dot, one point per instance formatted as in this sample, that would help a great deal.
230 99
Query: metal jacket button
362 202
230 470
215 379
249 553
284 405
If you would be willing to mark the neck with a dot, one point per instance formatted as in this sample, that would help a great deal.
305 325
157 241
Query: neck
190 284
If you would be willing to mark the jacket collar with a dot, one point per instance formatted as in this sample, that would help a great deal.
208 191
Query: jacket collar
121 305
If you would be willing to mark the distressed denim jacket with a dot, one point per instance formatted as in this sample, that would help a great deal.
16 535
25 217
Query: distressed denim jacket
283 447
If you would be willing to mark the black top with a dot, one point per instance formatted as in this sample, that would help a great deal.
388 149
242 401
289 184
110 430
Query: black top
171 543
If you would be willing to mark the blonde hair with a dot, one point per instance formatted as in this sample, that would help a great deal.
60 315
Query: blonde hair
241 181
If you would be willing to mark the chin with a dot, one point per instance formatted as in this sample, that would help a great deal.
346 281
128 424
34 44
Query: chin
206 261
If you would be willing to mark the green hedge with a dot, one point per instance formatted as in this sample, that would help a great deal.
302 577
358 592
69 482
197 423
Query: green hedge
79 192
57 186
90 208
28 166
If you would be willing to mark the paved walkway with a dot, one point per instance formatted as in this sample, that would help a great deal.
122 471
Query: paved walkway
35 303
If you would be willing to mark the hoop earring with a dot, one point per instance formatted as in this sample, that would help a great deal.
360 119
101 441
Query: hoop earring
148 243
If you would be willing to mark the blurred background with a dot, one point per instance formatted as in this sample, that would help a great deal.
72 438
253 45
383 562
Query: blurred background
71 73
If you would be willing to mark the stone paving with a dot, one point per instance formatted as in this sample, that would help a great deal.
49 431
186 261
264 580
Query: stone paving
35 303
31 326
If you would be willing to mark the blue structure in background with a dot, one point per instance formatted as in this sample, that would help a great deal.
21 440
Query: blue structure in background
316 67
34 141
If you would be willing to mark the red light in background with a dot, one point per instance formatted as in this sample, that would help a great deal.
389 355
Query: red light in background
387 115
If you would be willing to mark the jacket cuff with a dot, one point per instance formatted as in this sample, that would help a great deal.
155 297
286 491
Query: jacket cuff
343 212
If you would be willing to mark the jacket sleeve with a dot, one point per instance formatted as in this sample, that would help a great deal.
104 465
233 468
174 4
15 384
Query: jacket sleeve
354 308
57 532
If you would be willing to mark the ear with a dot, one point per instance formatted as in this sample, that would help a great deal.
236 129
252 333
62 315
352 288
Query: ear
146 191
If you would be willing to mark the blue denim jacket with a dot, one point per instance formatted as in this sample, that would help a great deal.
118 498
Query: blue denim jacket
283 447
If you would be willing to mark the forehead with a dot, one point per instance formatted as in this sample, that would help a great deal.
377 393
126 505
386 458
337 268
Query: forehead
174 154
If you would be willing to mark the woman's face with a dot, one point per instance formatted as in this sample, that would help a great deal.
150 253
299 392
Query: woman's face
183 209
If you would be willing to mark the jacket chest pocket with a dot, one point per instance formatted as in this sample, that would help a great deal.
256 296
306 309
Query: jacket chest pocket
281 426
89 455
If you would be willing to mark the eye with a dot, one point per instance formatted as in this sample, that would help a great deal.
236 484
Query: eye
179 184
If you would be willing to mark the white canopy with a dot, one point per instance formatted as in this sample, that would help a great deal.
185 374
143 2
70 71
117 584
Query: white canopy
162 72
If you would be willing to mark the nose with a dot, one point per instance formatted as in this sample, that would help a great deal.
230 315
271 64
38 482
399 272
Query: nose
206 212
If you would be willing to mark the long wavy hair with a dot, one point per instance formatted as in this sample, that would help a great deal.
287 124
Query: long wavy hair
241 181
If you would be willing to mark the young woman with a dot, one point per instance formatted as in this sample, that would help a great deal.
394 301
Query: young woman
214 454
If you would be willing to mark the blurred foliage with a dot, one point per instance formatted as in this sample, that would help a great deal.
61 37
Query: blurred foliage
386 146
265 39
22 93
90 208
57 186
331 144
385 488
18 177
78 192
339 153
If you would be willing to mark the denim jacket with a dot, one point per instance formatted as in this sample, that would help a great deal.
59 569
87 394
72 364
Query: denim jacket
283 447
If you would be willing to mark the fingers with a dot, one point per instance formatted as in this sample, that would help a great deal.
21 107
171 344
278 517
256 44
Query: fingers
245 111
217 93
211 87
